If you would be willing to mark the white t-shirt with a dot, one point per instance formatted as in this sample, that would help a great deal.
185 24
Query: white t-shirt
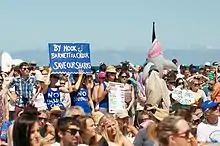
208 133
55 144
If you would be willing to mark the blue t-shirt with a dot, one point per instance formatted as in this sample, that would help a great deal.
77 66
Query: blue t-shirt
80 98
4 129
52 98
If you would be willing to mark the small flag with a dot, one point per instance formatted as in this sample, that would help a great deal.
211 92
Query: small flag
156 48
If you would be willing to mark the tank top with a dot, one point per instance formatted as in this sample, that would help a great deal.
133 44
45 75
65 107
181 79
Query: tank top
104 102
80 98
127 90
52 98
2 110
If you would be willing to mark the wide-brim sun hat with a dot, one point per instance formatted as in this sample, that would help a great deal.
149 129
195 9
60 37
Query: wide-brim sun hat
111 69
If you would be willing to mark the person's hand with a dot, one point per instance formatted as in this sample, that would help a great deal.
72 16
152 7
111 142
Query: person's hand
132 129
108 88
50 69
80 73
89 85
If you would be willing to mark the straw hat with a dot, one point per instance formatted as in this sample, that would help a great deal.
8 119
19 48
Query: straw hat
41 68
40 78
56 109
44 72
111 69
160 114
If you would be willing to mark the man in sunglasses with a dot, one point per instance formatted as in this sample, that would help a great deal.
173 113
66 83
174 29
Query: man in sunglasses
208 131
67 132
24 85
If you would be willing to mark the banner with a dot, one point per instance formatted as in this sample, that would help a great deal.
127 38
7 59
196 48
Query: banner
116 97
184 97
69 58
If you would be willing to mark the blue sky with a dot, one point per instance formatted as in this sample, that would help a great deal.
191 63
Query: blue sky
31 24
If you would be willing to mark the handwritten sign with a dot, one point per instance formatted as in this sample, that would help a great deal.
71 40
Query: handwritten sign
184 97
116 97
69 58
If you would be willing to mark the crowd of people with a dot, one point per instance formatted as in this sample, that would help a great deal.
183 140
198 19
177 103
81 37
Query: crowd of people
40 108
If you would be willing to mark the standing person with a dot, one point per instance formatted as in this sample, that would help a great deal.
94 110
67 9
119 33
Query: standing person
4 108
104 89
129 92
52 92
101 78
24 86
81 93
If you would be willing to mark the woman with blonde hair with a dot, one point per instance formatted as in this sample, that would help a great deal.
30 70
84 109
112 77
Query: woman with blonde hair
109 129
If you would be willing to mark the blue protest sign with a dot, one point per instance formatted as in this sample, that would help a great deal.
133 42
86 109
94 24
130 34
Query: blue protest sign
69 57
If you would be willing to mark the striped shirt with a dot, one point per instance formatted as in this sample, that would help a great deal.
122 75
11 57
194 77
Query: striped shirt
24 89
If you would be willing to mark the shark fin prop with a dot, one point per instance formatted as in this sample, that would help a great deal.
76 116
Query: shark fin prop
155 55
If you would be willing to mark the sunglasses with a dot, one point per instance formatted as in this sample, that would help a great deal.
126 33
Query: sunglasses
185 134
180 83
196 84
25 68
124 77
56 115
42 119
56 77
73 131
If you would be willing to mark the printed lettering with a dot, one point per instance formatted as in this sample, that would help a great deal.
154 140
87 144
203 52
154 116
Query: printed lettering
56 47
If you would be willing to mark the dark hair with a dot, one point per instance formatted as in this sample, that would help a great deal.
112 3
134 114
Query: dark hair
23 64
102 67
184 113
177 82
63 124
124 72
22 129
174 61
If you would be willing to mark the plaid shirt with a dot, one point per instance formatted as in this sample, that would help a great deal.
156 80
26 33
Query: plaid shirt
24 89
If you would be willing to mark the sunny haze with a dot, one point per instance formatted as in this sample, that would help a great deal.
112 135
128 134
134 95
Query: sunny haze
122 28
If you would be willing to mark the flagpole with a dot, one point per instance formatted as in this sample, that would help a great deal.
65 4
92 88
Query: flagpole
153 33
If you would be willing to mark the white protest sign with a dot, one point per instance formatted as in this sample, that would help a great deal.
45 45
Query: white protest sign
116 97
184 97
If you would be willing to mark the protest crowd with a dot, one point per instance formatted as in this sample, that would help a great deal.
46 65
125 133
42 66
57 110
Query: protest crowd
160 103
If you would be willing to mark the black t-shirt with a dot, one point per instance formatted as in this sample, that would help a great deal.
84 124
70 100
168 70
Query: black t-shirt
103 142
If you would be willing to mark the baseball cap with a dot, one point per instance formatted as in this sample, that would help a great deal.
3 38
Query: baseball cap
207 64
208 104
122 114
215 63
101 75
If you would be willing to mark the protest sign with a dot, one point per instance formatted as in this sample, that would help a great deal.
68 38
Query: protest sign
69 57
116 97
184 97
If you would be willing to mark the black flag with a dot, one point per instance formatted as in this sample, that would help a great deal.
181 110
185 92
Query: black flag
153 33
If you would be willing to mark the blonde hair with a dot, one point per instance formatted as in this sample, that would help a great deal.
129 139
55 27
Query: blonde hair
104 121
74 111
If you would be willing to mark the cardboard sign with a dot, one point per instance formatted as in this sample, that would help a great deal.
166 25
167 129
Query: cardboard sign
116 97
184 97
69 58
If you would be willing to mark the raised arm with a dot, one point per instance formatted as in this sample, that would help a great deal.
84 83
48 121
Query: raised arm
47 82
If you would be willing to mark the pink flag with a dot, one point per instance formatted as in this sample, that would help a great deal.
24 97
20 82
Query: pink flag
155 50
